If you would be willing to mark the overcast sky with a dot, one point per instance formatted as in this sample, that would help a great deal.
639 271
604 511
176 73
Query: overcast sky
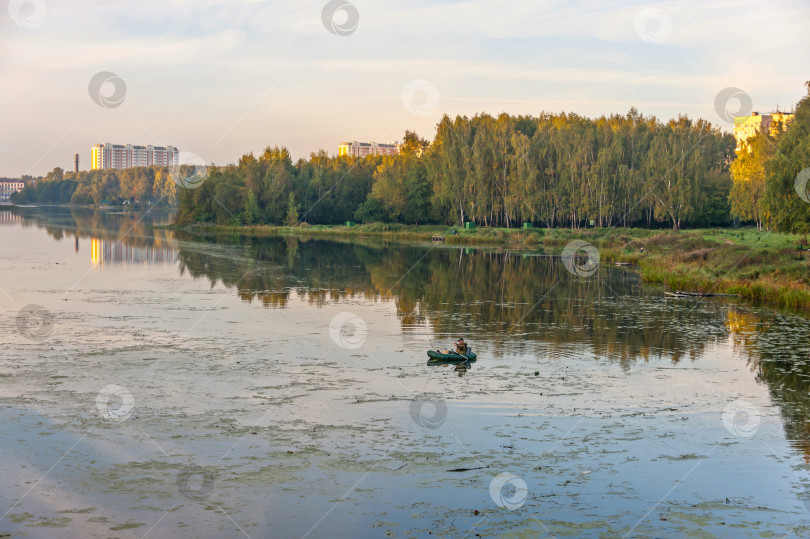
220 78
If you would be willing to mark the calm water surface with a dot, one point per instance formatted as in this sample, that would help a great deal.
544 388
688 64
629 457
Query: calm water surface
177 386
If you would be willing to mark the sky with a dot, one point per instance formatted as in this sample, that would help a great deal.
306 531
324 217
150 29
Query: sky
218 79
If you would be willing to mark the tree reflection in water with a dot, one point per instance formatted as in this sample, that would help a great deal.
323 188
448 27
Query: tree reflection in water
516 302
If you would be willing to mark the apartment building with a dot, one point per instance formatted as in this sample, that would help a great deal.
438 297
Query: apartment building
118 156
9 187
364 149
746 127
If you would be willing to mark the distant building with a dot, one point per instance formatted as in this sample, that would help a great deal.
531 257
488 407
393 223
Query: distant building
364 149
9 187
746 127
106 156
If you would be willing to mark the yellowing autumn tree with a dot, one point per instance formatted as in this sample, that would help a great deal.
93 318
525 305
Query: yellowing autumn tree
749 174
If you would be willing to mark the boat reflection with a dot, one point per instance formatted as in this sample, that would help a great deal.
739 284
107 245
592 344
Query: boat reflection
459 366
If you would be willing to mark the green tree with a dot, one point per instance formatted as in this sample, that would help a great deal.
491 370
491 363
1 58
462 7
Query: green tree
293 210
251 212
371 211
789 211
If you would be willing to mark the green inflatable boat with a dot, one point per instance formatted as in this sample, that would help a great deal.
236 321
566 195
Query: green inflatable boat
448 355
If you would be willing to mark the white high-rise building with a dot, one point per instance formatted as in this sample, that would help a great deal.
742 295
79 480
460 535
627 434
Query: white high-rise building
106 156
9 187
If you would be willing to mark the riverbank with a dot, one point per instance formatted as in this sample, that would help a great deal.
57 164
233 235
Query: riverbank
763 267
758 266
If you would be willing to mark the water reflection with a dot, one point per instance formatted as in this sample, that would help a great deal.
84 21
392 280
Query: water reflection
10 218
459 367
516 302
508 302
120 237
106 252
778 353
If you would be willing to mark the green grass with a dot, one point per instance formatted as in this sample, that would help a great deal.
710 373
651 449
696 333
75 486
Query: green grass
751 237
763 267
392 231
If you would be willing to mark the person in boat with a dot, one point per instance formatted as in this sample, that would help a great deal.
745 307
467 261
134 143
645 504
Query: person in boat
461 346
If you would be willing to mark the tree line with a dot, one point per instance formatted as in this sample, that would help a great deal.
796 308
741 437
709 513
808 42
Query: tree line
153 185
272 189
767 188
552 170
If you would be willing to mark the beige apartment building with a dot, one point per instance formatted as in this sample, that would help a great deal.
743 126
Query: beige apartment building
106 156
364 149
746 127
9 187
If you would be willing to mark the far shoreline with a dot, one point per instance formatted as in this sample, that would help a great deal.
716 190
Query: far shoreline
770 268
762 267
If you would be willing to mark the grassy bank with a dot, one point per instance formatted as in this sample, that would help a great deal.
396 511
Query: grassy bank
551 241
764 267
387 231
761 267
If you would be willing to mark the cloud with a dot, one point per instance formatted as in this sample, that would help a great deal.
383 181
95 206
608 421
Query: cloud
194 68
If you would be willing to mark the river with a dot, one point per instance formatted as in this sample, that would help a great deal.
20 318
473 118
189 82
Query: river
156 384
